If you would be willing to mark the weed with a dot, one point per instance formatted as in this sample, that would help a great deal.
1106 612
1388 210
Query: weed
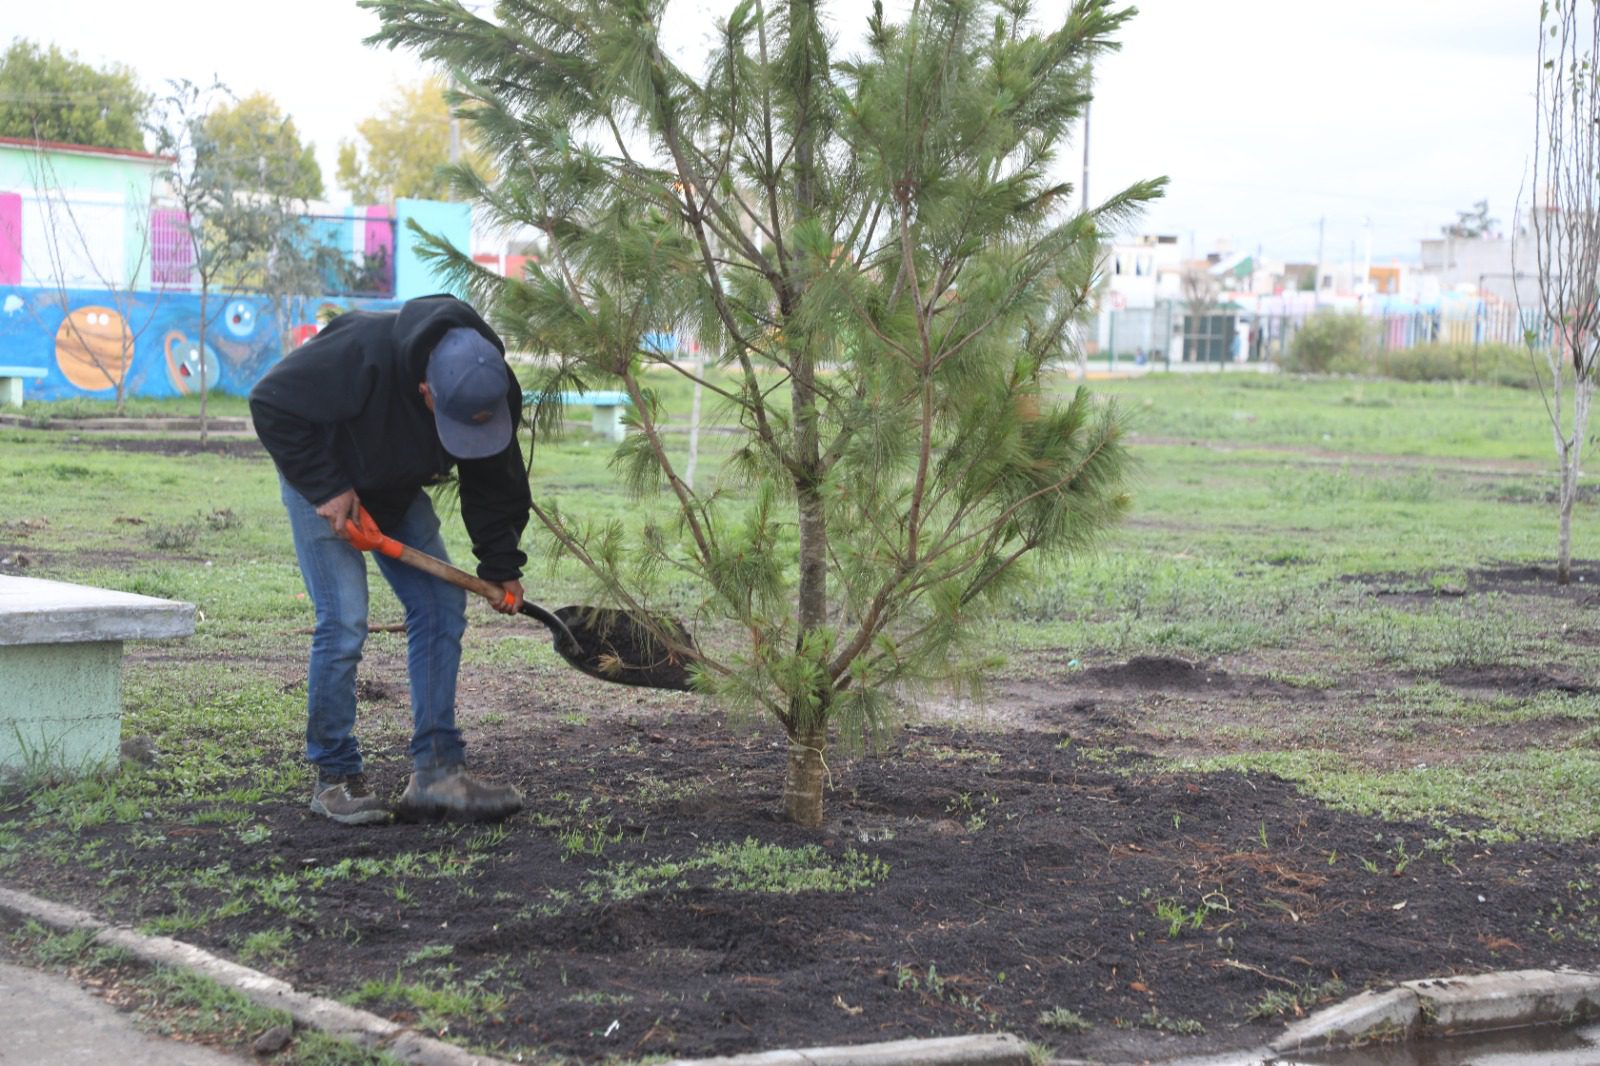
177 537
1178 918
591 839
1284 1003
1154 1019
436 1004
268 946
429 952
1063 1020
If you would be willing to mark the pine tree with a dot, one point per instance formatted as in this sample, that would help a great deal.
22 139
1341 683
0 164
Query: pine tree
877 251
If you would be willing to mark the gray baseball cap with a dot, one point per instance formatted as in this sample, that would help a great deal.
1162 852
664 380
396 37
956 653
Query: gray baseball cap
470 382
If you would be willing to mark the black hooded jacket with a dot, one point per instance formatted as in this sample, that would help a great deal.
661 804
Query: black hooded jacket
343 412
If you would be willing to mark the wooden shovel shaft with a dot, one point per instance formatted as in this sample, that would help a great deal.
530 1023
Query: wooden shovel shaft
364 535
453 574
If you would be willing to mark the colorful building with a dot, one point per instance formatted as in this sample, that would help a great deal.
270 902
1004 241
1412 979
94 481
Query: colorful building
97 285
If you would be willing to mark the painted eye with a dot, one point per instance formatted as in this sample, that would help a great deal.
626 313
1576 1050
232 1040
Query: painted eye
240 319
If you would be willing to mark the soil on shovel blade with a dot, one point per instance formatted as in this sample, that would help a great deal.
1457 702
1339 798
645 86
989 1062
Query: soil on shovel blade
650 902
617 646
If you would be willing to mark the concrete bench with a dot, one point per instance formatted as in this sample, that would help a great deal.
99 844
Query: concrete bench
11 379
61 669
607 419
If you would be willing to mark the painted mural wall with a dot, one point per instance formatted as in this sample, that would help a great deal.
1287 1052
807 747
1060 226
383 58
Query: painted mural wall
80 339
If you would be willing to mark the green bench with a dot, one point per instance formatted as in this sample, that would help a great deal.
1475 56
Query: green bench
608 407
11 379
61 670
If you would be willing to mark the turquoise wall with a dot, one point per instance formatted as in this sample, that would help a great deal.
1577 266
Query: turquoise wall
453 222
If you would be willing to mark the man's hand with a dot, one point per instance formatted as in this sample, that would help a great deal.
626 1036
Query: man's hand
512 589
341 509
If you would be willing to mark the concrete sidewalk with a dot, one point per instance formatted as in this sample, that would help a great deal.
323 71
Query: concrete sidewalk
49 1019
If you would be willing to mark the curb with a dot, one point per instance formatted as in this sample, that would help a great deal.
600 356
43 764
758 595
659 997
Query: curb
311 1012
370 1031
1449 1006
1001 1049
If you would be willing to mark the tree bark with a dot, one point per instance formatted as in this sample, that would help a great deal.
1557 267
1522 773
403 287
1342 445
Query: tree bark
1569 494
205 386
807 772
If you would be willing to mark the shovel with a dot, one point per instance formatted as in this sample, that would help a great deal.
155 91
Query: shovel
604 643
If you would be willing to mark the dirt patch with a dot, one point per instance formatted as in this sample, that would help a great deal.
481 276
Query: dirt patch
230 447
996 877
1155 672
1529 580
1519 579
1510 680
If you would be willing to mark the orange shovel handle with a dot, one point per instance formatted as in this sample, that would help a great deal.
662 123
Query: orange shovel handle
364 535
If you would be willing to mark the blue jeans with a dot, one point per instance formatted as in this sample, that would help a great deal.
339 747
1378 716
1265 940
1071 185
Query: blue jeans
436 616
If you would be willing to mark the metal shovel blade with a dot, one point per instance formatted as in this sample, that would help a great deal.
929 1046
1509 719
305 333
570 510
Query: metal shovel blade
618 646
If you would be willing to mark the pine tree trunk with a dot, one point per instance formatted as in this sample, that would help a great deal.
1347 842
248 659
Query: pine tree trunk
807 772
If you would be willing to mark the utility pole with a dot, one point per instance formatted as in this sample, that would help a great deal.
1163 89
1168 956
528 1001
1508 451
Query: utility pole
1366 255
1086 107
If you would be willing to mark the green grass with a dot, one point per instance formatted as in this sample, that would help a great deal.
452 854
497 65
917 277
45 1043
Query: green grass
1392 418
218 405
1530 793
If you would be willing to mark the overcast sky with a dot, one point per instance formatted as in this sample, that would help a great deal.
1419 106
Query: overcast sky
1268 115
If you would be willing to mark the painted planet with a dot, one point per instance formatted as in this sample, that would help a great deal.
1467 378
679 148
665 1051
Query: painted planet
94 348
183 363
239 317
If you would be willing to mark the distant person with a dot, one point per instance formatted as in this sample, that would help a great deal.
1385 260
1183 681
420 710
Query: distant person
368 412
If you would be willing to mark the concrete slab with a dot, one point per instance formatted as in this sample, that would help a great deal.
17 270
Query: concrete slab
1504 1000
35 611
1001 1049
1394 1013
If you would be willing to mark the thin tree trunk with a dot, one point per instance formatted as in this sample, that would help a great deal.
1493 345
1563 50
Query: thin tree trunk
1569 492
205 390
807 772
1571 472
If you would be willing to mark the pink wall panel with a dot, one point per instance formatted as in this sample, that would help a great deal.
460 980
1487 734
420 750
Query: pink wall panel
10 238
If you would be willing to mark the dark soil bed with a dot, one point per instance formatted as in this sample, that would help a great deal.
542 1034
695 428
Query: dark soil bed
1515 579
999 876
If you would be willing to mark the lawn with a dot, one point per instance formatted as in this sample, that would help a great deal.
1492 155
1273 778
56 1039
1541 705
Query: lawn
1275 735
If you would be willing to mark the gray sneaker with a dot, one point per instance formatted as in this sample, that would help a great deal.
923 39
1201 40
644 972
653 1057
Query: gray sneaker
452 793
348 800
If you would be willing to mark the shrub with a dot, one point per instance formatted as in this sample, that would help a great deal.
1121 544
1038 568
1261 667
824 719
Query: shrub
1497 364
1332 342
